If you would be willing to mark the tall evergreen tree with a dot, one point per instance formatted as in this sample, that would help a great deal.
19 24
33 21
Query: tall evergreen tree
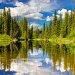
65 29
8 21
24 28
43 31
50 28
31 33
11 29
15 28
5 21
1 22
55 23
73 21
61 25
37 32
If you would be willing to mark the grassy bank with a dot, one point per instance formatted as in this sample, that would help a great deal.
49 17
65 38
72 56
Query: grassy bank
61 40
58 40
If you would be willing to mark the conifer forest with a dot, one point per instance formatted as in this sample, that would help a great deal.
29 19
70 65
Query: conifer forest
20 30
37 37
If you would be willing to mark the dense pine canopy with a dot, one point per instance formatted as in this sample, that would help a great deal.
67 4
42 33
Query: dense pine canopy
59 27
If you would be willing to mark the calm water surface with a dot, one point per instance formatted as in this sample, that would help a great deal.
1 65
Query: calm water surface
37 58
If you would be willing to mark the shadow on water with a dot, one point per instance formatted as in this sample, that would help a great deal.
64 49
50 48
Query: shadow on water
60 55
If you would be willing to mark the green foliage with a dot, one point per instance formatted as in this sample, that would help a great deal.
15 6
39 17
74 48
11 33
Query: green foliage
24 28
5 21
30 33
72 34
4 40
36 33
58 27
11 26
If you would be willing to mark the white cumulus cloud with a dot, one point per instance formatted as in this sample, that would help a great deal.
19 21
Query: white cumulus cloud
33 8
35 16
48 18
35 26
62 11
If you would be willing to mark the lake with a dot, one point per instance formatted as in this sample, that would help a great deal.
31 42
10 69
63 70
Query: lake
37 58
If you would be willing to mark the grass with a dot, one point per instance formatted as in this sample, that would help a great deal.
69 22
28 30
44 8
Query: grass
61 40
58 40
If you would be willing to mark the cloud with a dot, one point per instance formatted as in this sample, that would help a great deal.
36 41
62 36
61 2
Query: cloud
48 18
35 16
35 26
8 1
19 4
62 11
33 8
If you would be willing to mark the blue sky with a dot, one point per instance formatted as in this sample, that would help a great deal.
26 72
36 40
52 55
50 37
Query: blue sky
37 11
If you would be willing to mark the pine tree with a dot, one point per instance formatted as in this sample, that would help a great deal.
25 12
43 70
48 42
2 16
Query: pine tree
69 23
11 29
15 28
65 29
50 28
61 25
24 28
73 21
46 32
8 21
43 31
31 33
1 22
37 32
55 23
5 21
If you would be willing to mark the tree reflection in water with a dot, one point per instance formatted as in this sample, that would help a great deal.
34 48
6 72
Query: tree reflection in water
62 55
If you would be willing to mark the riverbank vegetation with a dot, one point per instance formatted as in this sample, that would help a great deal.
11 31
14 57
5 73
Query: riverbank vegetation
58 29
12 26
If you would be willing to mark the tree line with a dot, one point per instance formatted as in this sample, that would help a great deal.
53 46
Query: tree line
58 27
63 27
12 26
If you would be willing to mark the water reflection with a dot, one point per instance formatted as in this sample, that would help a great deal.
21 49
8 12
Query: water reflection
37 58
